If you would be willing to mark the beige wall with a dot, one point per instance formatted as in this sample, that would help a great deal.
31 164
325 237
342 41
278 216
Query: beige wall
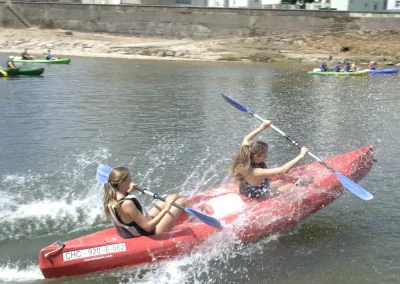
192 22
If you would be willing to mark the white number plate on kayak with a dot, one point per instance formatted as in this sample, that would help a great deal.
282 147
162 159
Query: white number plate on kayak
76 254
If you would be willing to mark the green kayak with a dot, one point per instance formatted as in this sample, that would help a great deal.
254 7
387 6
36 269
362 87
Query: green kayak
356 73
22 71
54 61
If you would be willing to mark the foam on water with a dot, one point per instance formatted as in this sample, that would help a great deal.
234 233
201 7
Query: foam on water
13 274
40 203
207 263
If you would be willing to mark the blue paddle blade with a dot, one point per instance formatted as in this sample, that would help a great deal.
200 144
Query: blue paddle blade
103 171
354 187
205 218
235 103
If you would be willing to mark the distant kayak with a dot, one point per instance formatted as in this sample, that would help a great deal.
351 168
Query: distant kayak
55 61
383 71
23 71
356 73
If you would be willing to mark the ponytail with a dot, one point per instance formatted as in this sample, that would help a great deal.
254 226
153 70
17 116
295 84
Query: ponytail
241 165
111 187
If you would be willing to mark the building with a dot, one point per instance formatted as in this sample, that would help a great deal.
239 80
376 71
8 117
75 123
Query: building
251 4
358 5
393 5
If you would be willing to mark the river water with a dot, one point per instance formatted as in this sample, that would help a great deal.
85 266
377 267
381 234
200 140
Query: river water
167 122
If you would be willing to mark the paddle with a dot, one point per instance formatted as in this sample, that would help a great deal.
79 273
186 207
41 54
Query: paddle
346 182
4 73
103 171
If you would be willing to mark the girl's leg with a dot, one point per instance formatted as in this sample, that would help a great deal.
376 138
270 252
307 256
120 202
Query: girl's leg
160 206
280 186
168 221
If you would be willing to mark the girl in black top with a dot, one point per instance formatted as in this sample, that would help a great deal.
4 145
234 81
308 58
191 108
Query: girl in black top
161 218
251 172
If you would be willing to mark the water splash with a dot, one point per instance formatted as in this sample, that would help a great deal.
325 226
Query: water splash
12 273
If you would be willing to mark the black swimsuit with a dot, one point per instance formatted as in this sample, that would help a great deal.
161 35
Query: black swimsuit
256 192
123 233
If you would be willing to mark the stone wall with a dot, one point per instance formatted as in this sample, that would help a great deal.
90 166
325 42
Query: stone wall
175 21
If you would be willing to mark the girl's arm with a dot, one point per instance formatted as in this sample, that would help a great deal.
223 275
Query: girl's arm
136 216
266 173
254 133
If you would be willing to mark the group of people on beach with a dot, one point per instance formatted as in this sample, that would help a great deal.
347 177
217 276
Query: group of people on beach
248 169
26 56
348 67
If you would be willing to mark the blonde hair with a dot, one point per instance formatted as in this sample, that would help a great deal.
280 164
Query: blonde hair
241 166
111 187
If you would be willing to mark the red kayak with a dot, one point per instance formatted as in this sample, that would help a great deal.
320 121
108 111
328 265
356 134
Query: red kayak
249 219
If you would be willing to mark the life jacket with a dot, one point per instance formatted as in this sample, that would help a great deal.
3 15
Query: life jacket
132 229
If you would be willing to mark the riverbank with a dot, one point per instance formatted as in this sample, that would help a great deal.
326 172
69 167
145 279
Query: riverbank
362 46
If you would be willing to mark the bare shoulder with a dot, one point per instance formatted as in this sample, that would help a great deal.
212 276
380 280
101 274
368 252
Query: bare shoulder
128 206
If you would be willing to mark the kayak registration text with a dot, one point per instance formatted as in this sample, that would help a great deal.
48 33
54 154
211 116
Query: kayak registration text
76 254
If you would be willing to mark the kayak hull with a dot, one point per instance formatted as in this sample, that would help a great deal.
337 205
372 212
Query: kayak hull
384 71
356 73
248 220
24 71
55 61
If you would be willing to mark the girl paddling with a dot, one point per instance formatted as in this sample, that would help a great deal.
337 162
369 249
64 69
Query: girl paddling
252 173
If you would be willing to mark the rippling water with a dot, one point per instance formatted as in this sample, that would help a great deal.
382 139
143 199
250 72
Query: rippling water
167 122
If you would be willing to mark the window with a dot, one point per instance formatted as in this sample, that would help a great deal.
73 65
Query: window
397 4
183 1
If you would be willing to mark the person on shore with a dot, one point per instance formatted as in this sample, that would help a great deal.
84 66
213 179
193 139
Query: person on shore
323 67
337 68
250 170
118 202
49 56
10 63
25 55
347 67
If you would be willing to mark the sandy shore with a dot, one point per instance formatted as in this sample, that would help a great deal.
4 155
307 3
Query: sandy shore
66 43
361 46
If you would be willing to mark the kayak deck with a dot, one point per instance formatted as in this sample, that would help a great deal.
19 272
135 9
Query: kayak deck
248 219
55 61
23 71
356 73
383 71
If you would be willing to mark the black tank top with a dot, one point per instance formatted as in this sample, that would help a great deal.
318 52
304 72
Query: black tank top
133 224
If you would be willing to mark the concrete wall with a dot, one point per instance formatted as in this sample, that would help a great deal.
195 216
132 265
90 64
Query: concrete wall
194 21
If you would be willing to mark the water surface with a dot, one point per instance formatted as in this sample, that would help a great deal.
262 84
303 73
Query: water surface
167 122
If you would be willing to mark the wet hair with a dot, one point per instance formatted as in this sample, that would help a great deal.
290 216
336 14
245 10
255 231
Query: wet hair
111 187
241 166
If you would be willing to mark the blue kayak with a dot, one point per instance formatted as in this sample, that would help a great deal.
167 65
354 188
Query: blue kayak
384 71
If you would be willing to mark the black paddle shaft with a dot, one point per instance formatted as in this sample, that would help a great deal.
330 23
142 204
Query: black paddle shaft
296 144
157 196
